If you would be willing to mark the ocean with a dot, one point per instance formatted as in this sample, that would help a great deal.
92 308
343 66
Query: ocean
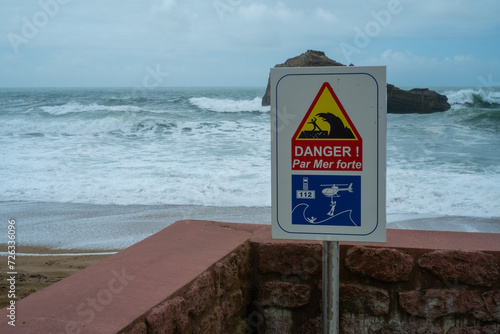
211 147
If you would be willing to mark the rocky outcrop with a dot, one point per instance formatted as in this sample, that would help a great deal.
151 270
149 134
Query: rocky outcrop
417 100
310 58
307 59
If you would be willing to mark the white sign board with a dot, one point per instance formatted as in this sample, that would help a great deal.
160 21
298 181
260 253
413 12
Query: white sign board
328 153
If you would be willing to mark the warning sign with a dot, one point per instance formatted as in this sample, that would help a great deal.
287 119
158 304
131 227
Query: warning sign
328 149
326 139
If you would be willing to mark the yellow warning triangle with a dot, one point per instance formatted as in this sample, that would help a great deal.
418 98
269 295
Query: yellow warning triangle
326 119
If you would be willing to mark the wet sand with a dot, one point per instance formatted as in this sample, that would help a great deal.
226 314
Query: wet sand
37 272
90 226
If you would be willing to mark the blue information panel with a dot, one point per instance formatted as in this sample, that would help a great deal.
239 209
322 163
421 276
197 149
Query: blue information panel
326 200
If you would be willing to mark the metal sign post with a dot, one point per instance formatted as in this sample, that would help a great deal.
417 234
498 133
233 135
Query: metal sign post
331 263
328 153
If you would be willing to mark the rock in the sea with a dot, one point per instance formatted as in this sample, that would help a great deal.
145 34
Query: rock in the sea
307 59
417 100
310 58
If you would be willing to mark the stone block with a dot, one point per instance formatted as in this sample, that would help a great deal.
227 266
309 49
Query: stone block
385 264
464 330
473 268
168 317
137 328
233 305
278 321
488 329
283 294
350 324
386 328
491 329
415 326
297 258
225 276
363 300
491 307
434 303
422 326
201 294
211 323
312 326
377 325
232 270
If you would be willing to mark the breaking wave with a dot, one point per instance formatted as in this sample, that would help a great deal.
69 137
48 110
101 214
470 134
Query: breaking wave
74 107
474 98
228 105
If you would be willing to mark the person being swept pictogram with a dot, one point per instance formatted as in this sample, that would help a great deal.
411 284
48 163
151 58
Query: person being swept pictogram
313 122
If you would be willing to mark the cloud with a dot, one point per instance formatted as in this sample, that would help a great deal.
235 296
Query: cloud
445 18
164 5
407 57
191 38
325 15
406 68
255 26
258 12
403 57
254 12
459 59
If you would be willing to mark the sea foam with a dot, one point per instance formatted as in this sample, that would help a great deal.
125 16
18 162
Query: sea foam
74 107
228 105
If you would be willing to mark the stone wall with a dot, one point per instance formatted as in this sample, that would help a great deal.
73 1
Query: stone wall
382 290
274 287
210 277
215 302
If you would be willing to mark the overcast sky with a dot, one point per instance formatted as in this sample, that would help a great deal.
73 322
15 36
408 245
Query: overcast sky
90 43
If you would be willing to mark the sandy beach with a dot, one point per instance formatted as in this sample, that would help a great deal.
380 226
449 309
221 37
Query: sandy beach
37 272
55 240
